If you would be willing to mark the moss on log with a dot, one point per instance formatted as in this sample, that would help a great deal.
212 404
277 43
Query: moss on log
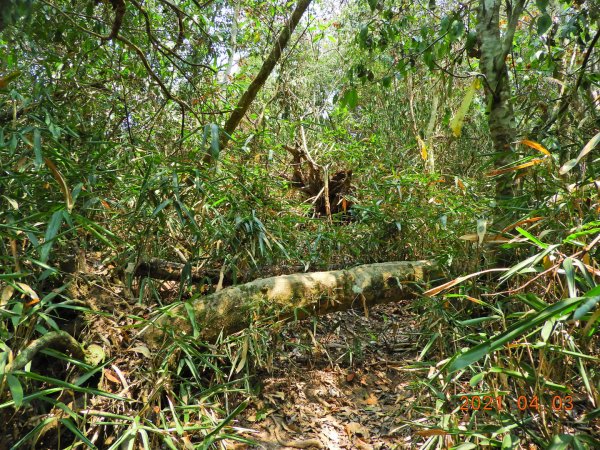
289 296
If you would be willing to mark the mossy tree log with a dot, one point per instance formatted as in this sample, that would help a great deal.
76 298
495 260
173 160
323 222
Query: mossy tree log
288 296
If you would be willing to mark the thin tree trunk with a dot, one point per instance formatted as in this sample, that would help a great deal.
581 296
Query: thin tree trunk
430 128
266 69
233 45
494 49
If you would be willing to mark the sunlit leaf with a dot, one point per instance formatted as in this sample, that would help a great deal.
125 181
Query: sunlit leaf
481 229
521 222
444 287
531 237
515 331
561 442
539 147
457 121
431 432
28 290
422 148
533 162
510 442
584 151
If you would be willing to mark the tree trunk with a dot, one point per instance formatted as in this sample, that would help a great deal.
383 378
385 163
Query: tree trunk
266 69
494 49
233 41
289 296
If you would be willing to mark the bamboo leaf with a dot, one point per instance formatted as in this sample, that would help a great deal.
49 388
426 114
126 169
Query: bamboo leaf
37 148
16 390
533 162
539 147
61 183
517 330
584 151
532 238
456 123
51 231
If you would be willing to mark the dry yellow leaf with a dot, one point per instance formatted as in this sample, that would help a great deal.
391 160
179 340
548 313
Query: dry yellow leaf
533 162
536 146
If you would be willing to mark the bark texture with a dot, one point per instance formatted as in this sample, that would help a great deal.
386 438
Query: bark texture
290 296
59 340
494 48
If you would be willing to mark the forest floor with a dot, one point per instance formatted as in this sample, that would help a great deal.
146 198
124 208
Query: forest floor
351 386
345 381
349 380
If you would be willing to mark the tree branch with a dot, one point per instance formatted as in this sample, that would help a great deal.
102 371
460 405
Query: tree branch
266 69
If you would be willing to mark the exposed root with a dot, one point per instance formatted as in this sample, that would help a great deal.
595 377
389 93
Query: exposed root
59 340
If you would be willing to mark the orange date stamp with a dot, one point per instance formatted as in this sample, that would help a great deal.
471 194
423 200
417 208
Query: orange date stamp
523 403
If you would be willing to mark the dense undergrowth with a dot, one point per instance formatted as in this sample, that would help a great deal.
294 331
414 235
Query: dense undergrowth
98 171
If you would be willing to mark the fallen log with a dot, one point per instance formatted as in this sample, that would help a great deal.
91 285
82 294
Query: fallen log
168 270
161 269
288 296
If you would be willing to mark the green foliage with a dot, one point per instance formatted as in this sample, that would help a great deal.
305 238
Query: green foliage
102 148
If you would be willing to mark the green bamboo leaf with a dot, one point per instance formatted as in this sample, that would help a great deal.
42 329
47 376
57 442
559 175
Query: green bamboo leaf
531 237
160 207
212 436
475 379
465 446
51 231
37 148
529 262
211 130
429 344
16 390
34 432
68 423
65 384
570 276
561 442
515 331
547 330
478 320
586 307
533 301
584 151
510 442
528 376
586 275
